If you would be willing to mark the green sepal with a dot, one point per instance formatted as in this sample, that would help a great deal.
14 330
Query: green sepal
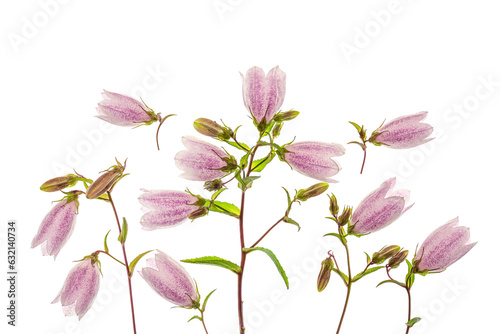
123 235
215 261
367 272
106 249
134 262
274 259
289 220
413 321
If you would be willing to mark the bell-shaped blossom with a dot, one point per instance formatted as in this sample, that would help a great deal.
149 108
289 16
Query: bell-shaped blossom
201 161
166 208
263 94
404 132
313 159
56 227
170 280
123 110
380 208
80 288
443 247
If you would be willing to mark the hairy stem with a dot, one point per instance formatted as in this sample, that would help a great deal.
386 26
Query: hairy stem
409 309
126 263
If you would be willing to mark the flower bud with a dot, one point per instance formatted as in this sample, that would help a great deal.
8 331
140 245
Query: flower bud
106 181
324 273
213 185
312 191
59 183
397 259
334 207
231 164
198 213
385 253
286 116
210 128
345 217
277 129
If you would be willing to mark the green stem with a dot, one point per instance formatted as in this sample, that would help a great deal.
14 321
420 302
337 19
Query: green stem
203 320
126 263
111 256
409 309
349 284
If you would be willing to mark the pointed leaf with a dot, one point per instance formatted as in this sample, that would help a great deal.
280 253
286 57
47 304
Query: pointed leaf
291 221
273 258
367 272
245 147
215 261
106 249
195 317
225 208
260 164
392 281
356 126
123 235
368 259
342 275
341 238
217 193
206 300
134 262
249 180
413 321
287 195
244 160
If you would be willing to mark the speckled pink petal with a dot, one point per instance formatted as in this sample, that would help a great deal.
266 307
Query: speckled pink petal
122 110
256 92
276 80
170 280
56 228
405 132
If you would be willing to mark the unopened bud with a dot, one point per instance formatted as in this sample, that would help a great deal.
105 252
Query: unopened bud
201 212
385 253
345 217
210 128
312 191
213 185
334 207
106 181
277 129
397 259
59 183
286 116
324 273
231 164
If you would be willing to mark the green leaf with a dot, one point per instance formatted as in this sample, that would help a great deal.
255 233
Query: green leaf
342 275
195 317
341 238
215 261
217 193
392 281
244 160
260 164
287 195
205 301
245 147
413 321
134 262
363 146
368 259
291 221
367 272
249 180
356 126
273 258
225 208
106 249
123 235
280 151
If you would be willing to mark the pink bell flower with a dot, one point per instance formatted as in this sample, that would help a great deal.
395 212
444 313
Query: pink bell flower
123 110
380 208
80 288
170 280
313 159
166 208
443 247
201 161
57 226
404 132
263 94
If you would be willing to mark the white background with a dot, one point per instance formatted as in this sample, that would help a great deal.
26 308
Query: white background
183 57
